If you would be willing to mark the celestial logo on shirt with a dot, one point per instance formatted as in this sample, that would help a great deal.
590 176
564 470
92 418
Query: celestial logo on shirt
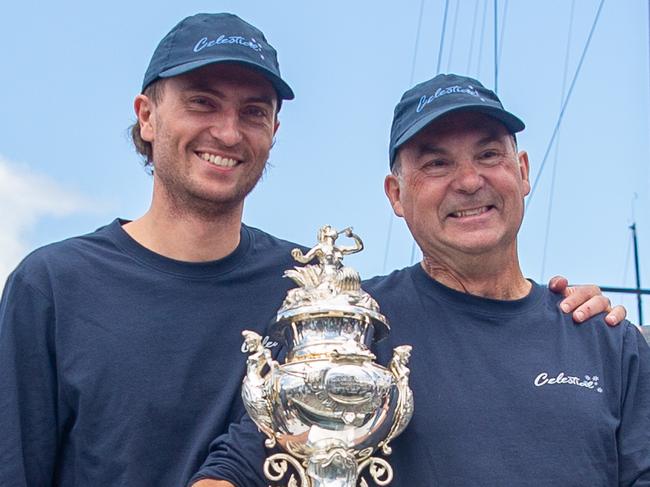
588 382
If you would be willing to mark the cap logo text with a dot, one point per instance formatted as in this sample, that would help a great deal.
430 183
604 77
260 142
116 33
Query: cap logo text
425 100
222 39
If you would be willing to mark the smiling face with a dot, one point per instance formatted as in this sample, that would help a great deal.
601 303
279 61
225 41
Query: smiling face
460 186
211 133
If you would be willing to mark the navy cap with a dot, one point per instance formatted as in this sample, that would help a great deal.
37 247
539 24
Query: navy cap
204 39
446 93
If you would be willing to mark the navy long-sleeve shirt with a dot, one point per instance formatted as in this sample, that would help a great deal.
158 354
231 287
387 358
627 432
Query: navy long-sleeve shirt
118 366
506 393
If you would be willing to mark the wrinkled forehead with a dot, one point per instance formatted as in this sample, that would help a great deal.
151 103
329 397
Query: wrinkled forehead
469 127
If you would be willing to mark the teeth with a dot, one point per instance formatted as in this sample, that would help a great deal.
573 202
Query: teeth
217 160
473 212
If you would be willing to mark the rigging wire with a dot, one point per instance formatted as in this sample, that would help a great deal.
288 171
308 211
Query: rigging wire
413 251
566 102
630 241
442 36
557 144
627 260
391 216
630 247
471 42
496 48
626 268
417 43
453 36
480 40
503 29
628 252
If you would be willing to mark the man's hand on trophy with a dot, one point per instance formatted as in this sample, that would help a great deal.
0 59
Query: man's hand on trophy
585 301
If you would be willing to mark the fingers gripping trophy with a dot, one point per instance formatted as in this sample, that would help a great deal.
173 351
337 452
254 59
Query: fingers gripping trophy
329 406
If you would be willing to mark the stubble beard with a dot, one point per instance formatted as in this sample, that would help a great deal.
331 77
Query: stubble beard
187 201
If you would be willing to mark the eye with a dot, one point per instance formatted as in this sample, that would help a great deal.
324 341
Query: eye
437 166
490 156
201 102
255 111
436 163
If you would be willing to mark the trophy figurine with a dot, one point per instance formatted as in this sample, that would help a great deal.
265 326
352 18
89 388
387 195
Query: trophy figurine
329 406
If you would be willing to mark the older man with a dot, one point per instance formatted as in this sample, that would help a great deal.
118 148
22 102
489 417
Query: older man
507 390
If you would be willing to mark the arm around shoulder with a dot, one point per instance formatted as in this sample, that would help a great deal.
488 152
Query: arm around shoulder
586 301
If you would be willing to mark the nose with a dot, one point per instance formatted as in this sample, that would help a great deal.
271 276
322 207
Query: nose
468 178
226 129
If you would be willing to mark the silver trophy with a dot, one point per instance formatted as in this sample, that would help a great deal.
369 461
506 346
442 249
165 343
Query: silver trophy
329 406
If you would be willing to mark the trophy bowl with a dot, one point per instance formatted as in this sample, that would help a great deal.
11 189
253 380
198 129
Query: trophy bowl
329 406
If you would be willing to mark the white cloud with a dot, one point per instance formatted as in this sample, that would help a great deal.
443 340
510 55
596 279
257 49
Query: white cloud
25 197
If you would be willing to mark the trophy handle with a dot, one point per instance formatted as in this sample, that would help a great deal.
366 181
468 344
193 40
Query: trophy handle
399 368
255 386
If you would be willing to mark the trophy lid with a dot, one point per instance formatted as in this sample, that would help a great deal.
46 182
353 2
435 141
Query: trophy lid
328 289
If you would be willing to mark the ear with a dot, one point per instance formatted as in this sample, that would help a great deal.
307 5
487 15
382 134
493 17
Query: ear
524 170
143 110
392 190
277 126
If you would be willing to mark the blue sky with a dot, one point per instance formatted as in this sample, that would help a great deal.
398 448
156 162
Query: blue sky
71 70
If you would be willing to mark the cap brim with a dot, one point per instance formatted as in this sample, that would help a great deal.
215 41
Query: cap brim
282 88
512 123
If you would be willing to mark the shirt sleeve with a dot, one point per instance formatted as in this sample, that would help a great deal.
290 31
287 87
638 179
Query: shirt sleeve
28 387
236 456
634 429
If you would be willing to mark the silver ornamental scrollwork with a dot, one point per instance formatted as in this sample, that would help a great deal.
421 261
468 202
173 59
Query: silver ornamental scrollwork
275 468
379 469
329 406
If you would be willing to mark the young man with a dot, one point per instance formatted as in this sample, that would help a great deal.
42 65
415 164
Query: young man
507 390
120 350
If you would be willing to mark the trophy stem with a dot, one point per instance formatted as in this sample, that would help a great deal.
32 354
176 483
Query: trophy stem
333 468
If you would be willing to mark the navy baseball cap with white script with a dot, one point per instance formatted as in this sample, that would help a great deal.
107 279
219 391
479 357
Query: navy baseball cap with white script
446 93
204 39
